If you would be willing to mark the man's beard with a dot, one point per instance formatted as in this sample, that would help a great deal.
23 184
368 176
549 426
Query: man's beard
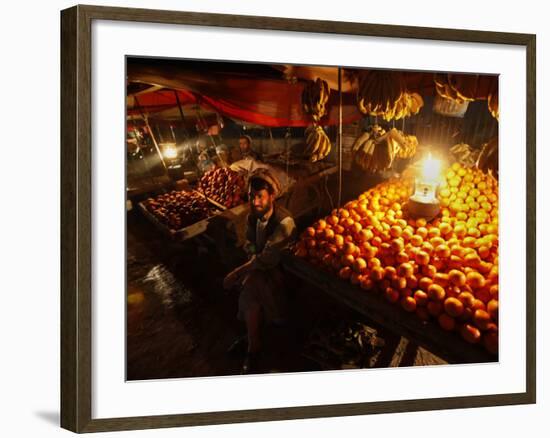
261 213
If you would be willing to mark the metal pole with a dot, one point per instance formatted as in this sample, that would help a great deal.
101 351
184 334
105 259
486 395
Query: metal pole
150 133
181 114
339 136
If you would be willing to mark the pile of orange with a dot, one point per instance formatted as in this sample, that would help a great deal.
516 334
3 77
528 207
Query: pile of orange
445 269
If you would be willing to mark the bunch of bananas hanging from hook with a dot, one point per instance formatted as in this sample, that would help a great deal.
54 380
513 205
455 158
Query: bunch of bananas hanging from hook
375 149
317 143
314 98
384 93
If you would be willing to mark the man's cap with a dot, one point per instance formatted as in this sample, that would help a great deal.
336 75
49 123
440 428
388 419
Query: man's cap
265 174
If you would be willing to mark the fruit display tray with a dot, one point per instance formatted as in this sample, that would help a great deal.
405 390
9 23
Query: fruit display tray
184 233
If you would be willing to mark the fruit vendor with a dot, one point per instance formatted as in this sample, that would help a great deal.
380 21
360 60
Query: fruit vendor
260 280
245 145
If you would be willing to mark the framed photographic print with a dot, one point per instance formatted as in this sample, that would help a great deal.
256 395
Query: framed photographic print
268 219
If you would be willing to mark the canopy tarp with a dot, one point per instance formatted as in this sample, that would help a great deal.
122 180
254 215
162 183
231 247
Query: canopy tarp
258 94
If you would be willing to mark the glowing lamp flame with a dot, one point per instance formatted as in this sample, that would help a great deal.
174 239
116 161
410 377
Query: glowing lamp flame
431 168
169 151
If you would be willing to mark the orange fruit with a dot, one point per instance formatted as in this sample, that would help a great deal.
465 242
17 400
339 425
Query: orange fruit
377 273
391 295
347 260
436 292
355 278
328 234
428 270
401 257
338 240
470 333
408 303
472 260
374 262
399 283
422 258
349 248
492 309
359 265
397 245
412 282
345 273
457 277
441 279
422 232
405 270
475 280
366 283
396 231
481 319
416 240
424 283
427 247
442 251
483 294
454 307
420 297
390 272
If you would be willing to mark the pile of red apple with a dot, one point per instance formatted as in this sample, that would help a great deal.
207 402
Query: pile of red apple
225 186
179 209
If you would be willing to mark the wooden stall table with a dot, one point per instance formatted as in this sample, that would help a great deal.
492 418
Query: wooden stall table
447 345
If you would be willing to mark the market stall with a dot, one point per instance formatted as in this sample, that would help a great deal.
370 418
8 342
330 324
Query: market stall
391 177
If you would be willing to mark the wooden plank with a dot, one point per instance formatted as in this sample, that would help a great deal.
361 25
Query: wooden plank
444 344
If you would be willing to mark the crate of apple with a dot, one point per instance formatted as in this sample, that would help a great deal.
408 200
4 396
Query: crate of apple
224 186
179 209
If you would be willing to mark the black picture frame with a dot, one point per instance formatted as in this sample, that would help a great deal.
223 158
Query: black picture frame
76 222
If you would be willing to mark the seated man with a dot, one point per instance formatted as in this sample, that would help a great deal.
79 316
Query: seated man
245 146
260 279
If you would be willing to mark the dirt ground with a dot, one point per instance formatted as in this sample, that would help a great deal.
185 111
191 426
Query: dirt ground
180 320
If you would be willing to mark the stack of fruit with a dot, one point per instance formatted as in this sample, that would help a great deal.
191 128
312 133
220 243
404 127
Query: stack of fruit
375 149
314 98
383 93
224 185
446 270
179 209
317 143
459 88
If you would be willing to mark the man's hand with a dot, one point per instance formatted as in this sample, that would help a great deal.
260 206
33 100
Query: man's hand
236 275
230 280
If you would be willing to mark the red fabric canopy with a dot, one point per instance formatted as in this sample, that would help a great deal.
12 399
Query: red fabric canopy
270 101
260 101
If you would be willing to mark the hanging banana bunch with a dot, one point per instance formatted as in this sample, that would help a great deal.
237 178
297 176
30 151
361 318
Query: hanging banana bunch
383 93
464 154
314 98
317 143
457 87
375 149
